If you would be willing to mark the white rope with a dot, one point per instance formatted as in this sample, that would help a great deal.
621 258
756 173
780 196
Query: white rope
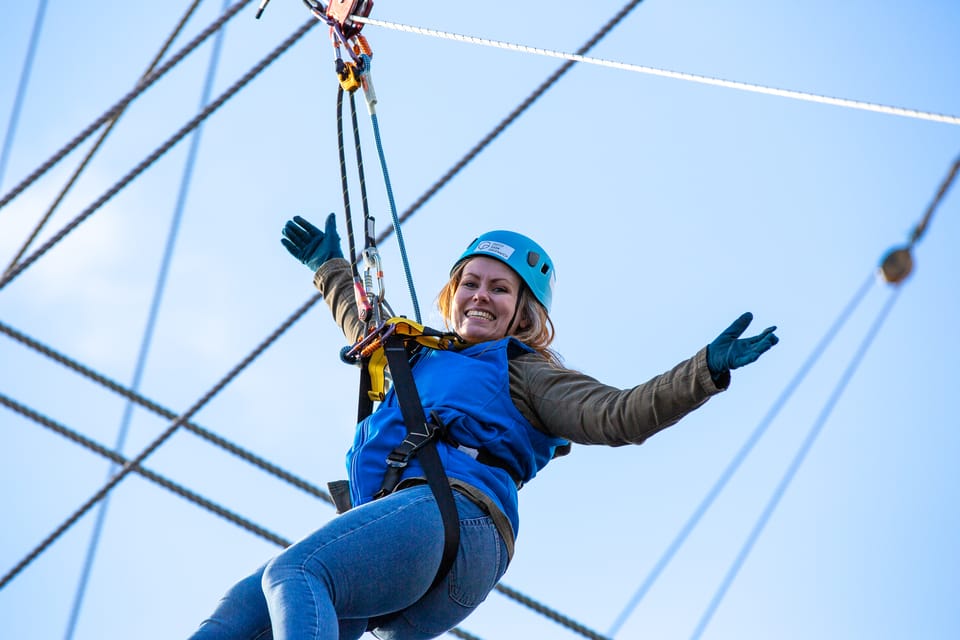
677 75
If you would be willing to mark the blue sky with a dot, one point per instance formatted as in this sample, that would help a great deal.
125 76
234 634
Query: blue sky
669 209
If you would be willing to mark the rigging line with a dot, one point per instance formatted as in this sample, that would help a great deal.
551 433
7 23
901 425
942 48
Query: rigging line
512 116
741 455
152 476
152 315
196 429
22 88
264 465
159 151
676 75
549 613
795 464
921 228
142 86
155 444
99 142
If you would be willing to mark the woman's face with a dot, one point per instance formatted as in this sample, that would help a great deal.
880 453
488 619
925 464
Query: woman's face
485 300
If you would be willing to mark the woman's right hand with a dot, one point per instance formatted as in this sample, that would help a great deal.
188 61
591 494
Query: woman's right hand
308 244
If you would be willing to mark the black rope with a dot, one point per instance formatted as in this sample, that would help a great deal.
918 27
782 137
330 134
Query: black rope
549 613
516 113
153 446
142 86
103 136
344 185
361 179
152 476
159 151
941 192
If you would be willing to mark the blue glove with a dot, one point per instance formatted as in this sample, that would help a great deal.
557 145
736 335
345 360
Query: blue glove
308 244
729 351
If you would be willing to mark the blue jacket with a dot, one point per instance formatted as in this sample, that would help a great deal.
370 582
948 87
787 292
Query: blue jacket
470 391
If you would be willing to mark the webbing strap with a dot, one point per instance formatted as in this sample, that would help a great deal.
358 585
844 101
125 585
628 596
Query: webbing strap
415 420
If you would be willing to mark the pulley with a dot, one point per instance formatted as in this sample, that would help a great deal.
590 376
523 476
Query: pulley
896 265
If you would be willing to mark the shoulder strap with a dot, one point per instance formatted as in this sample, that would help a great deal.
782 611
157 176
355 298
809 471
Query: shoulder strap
421 441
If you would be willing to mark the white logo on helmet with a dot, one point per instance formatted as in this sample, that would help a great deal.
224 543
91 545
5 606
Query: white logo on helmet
496 248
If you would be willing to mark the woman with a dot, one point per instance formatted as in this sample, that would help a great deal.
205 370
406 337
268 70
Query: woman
508 407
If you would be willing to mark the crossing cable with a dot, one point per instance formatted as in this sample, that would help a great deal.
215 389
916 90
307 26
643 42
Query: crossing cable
159 151
118 459
741 455
99 142
795 464
511 117
148 331
676 75
159 410
549 613
921 227
142 86
22 88
155 444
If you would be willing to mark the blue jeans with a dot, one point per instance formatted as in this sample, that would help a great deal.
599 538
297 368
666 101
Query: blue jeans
373 560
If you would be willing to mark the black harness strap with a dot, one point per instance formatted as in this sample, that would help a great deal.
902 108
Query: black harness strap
421 441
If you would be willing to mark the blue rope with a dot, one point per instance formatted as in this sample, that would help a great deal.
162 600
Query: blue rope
740 456
148 330
794 465
22 87
396 219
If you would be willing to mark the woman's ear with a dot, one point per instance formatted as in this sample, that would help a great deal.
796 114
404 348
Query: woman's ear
524 323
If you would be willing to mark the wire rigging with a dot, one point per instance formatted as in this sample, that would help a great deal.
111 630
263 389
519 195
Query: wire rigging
152 476
794 466
152 315
921 227
741 455
100 140
142 86
155 444
205 434
676 75
22 88
158 152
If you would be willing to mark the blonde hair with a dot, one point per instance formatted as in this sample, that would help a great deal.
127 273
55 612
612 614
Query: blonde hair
532 325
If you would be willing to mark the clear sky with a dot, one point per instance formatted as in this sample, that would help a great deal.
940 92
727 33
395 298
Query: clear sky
668 207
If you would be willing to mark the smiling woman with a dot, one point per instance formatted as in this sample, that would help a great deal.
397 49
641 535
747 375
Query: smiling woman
500 410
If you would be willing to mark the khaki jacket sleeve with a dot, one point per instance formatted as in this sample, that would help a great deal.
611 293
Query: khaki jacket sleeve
334 280
572 405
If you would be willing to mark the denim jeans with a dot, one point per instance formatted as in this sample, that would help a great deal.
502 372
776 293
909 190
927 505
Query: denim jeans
373 560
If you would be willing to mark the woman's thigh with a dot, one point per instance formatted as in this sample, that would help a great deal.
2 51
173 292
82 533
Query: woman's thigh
481 562
382 557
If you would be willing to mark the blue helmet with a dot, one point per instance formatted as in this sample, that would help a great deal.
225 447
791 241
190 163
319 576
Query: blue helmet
520 253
